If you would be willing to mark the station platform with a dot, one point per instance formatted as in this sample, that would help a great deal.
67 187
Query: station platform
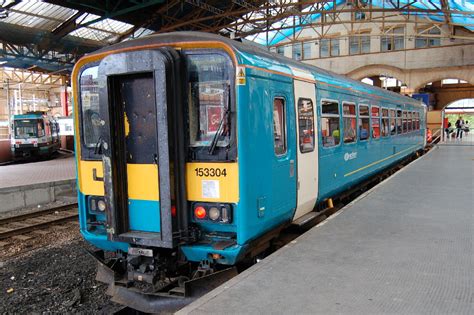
405 246
24 185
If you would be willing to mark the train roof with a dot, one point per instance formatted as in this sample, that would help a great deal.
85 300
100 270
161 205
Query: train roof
254 55
33 115
28 116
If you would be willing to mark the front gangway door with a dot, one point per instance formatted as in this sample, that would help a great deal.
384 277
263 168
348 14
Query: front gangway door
143 146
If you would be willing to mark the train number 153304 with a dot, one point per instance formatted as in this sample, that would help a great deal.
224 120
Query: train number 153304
210 172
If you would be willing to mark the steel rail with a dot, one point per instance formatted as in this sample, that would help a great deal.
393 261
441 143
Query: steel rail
6 232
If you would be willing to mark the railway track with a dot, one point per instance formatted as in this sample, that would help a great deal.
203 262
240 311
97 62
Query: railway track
29 222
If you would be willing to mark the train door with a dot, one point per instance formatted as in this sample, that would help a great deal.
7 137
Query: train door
143 146
307 156
283 173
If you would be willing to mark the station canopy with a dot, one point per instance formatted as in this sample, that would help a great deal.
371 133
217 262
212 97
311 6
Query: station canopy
51 35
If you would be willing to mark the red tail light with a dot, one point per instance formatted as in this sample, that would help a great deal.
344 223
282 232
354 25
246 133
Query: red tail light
173 211
200 212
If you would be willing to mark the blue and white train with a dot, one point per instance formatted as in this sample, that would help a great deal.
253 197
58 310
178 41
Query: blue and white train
34 135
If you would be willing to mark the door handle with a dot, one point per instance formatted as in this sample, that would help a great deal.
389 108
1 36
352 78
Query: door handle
95 177
292 168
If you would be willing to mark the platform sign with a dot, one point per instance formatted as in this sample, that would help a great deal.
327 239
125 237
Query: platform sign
66 126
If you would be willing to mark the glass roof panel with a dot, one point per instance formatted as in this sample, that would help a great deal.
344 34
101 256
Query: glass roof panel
466 20
45 16
37 14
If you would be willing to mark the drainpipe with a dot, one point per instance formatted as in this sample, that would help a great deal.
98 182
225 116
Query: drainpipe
9 109
21 101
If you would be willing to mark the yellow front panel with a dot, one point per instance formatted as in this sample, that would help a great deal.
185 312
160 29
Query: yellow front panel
143 182
87 184
205 181
212 182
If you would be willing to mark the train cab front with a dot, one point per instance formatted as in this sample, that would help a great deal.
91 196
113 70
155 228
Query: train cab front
157 170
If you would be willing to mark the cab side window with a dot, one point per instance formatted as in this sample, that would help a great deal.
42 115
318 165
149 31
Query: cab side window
364 122
306 124
279 126
330 123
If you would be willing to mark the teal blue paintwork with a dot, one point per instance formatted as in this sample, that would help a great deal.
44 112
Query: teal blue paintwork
97 238
267 191
199 252
261 173
144 215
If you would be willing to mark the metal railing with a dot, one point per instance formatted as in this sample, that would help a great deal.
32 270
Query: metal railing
436 135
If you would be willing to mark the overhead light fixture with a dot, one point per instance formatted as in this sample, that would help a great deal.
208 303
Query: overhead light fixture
2 62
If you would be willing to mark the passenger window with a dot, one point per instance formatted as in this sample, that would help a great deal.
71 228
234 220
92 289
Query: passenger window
330 123
375 122
40 129
417 120
279 126
405 122
410 121
306 125
350 122
393 122
364 124
385 122
399 121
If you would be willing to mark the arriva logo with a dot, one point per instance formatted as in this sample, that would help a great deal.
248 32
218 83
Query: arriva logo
350 156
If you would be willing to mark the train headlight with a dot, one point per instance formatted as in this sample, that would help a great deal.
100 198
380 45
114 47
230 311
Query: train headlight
101 205
214 213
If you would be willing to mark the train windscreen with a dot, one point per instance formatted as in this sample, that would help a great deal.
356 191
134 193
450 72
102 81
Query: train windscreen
28 128
208 102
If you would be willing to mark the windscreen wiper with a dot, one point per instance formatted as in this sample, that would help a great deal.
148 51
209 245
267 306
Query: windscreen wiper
98 146
219 131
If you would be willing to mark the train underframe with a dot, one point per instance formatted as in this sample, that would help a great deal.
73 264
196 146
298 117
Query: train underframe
32 152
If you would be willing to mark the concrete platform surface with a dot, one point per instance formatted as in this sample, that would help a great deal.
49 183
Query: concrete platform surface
58 169
404 247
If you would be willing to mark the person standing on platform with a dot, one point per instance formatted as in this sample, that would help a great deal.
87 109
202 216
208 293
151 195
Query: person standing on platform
448 130
466 127
459 126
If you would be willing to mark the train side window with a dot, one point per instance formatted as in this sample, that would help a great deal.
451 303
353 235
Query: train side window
393 122
399 122
405 121
306 124
279 126
385 123
410 121
375 114
40 128
364 122
350 122
330 123
417 120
